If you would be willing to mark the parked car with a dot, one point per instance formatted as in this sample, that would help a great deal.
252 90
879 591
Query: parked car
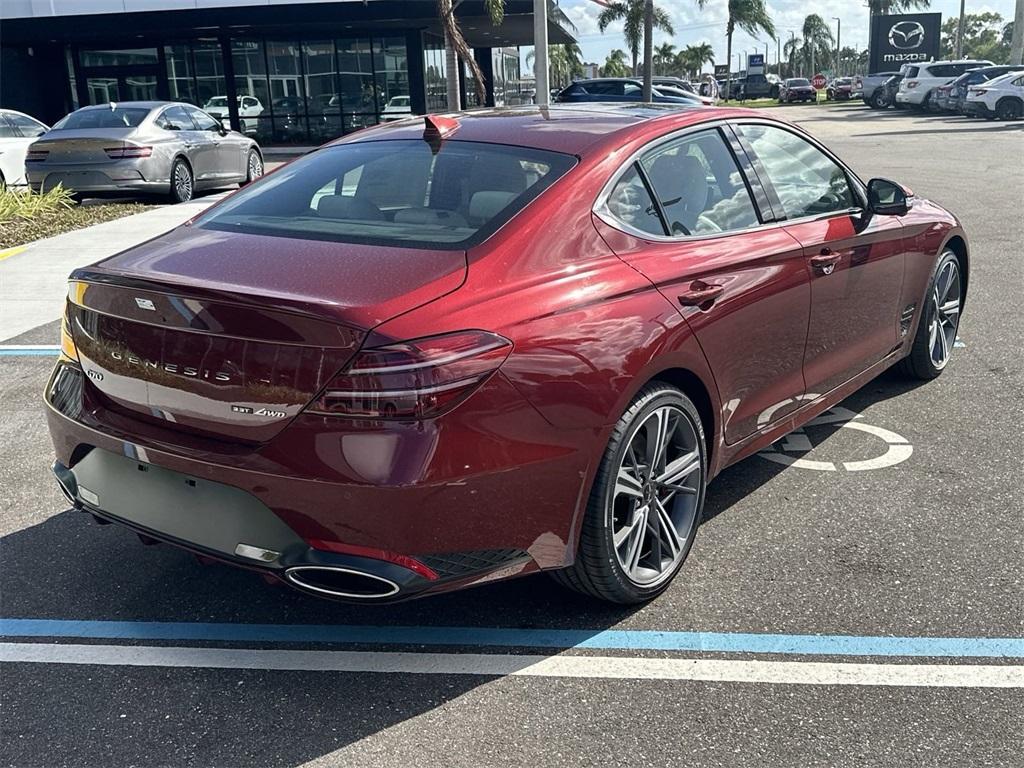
760 87
872 89
796 89
438 354
249 108
619 89
840 89
17 132
289 119
920 80
397 108
951 97
1002 97
154 147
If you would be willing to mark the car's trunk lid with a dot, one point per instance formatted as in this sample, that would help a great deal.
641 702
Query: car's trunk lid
231 335
86 146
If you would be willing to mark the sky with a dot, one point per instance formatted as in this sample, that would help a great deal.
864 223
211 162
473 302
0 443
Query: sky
708 25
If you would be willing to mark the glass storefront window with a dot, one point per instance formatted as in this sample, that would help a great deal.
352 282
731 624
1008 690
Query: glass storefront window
323 107
119 57
181 84
288 105
253 89
392 72
210 82
355 76
434 66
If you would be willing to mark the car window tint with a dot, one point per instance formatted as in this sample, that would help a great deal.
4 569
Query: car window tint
608 89
699 185
7 130
29 128
396 192
175 119
630 203
103 117
806 180
1019 81
202 120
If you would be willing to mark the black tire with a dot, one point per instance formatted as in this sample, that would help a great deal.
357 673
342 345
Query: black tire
183 183
1009 109
597 571
918 364
253 166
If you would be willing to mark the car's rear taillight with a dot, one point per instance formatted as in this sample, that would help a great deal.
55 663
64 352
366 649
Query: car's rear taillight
122 153
979 91
912 84
416 379
36 155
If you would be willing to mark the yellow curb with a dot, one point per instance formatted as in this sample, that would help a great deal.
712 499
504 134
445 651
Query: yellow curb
12 252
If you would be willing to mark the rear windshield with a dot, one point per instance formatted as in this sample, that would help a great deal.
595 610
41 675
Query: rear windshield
119 117
399 192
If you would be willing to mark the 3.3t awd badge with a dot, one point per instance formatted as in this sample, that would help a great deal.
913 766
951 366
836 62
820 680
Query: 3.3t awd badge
257 411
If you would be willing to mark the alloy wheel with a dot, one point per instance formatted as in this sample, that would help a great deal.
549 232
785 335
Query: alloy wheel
945 314
182 182
656 497
255 166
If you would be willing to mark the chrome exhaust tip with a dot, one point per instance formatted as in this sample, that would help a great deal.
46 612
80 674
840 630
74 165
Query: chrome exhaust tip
341 582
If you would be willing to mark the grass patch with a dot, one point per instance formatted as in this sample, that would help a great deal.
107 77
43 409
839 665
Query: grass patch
26 216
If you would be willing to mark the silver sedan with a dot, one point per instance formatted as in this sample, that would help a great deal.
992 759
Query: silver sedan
153 147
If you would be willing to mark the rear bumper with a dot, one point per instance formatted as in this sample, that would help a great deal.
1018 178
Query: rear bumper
126 175
472 504
976 109
914 97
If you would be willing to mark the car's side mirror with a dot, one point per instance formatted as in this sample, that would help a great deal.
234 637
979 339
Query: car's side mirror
887 198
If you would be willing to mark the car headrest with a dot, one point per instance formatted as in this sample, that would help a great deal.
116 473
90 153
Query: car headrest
484 206
347 207
436 216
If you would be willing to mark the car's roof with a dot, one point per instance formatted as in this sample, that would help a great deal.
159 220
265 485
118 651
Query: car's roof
131 105
576 129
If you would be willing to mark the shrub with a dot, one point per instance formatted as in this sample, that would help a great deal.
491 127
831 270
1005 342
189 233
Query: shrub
26 205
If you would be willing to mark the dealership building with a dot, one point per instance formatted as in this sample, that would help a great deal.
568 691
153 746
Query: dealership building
283 71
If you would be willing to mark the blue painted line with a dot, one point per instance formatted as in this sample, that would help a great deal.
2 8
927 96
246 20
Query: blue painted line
31 352
725 642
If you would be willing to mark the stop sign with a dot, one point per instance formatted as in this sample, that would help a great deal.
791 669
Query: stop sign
819 81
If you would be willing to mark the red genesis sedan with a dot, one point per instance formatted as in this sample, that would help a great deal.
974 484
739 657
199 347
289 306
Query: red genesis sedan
456 349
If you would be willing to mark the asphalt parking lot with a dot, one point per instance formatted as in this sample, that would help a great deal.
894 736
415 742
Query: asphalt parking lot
896 524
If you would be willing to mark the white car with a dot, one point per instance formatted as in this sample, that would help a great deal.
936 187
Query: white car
1001 97
17 131
396 108
248 107
919 80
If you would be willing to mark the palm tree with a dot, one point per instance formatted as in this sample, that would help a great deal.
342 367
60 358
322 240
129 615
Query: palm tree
749 15
631 14
702 53
457 48
615 65
792 49
564 61
818 42
664 57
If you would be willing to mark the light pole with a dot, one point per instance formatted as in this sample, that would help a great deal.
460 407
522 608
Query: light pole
960 33
540 52
839 37
792 50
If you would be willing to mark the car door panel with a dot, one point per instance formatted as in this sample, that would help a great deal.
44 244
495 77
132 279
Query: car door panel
855 261
854 320
753 333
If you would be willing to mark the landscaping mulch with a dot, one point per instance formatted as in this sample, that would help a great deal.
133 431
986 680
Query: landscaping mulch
19 231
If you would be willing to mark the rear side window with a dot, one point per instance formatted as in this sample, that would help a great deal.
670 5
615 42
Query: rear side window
397 192
911 71
807 181
699 186
118 117
29 128
630 203
7 130
175 119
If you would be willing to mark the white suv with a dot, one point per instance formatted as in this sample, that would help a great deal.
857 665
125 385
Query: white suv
1001 97
919 80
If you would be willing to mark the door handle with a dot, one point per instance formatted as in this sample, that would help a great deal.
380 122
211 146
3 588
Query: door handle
699 294
826 261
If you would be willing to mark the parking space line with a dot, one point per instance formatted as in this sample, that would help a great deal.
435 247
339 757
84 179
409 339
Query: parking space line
29 350
723 642
6 254
501 665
